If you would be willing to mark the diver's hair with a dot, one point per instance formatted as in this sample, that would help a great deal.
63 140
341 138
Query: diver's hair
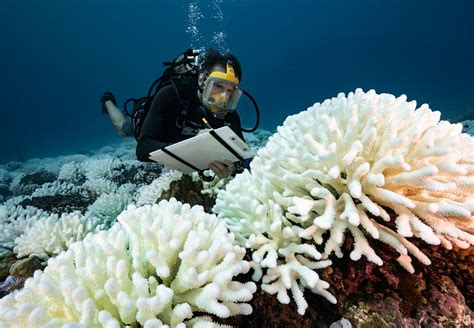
213 57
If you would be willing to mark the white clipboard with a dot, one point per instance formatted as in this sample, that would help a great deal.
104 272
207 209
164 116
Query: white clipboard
195 153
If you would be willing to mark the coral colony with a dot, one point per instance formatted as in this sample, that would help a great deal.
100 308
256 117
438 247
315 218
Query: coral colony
370 165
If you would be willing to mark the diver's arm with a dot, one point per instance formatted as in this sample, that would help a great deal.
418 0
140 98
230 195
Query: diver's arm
146 145
156 128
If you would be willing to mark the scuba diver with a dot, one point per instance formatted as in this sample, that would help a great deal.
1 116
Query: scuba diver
195 92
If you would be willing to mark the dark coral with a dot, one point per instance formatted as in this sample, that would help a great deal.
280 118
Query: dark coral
136 174
5 192
59 204
438 295
188 191
13 166
30 182
38 178
5 264
268 312
26 267
11 284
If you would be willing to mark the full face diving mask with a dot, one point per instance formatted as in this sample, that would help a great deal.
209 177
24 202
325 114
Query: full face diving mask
221 92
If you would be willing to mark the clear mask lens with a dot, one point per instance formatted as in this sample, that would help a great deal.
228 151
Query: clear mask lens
221 95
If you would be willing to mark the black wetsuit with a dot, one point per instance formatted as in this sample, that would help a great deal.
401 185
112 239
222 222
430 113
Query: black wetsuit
163 124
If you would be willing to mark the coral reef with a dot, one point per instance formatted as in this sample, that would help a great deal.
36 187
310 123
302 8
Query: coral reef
108 206
144 173
149 194
61 203
26 184
73 173
257 139
38 178
340 166
439 295
369 295
7 260
14 220
53 234
365 174
158 264
468 127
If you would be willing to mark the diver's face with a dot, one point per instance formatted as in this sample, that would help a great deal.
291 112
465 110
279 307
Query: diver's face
222 89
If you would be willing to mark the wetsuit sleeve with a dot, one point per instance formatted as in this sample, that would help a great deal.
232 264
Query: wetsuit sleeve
157 127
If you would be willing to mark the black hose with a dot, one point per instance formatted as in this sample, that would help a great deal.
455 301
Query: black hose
257 110
125 104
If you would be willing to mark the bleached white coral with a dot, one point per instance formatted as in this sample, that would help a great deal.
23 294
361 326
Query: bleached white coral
51 235
258 222
100 186
3 213
5 175
16 182
150 193
340 166
158 265
71 172
212 187
107 207
257 139
98 168
57 188
14 220
128 188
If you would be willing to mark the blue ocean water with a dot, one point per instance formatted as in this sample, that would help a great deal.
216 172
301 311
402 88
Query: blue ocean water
59 56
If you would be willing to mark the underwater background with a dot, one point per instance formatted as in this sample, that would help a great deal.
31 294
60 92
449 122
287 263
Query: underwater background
358 211
58 58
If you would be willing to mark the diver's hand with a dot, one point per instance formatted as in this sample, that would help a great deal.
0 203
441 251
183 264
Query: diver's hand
222 169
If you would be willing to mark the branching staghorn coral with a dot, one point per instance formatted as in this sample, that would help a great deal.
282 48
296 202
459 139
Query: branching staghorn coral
258 223
338 167
100 166
211 187
71 172
14 220
57 188
53 234
100 186
156 266
108 206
